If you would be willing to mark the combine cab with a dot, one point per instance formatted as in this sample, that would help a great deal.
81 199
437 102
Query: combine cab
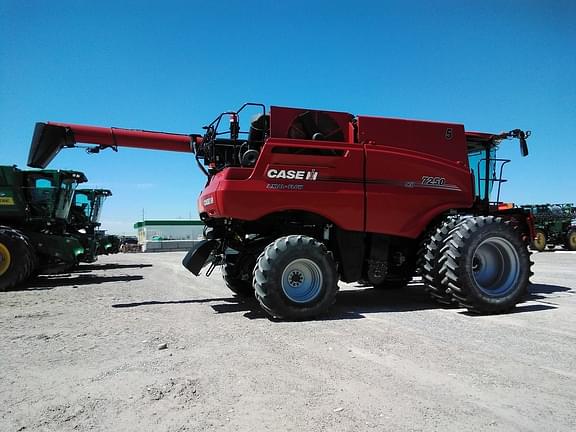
34 210
300 199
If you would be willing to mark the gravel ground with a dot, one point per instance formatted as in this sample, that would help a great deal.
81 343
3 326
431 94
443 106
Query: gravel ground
136 343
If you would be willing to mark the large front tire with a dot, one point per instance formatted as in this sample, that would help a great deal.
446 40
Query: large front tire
570 242
487 266
16 259
295 278
539 243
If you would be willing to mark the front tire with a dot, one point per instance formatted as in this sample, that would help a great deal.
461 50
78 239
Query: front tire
539 243
16 259
295 278
487 266
570 242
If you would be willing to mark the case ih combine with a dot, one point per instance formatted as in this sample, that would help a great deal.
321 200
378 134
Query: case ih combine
304 198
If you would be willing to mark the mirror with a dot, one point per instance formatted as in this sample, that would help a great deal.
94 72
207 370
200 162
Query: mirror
523 146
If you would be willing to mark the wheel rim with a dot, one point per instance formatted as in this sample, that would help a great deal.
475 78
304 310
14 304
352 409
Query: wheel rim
4 259
496 267
540 240
302 280
572 240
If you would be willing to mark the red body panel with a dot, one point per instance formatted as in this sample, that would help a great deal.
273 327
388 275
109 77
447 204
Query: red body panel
338 199
414 171
129 137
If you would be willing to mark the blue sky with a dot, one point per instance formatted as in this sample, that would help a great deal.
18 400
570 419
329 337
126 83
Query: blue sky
174 65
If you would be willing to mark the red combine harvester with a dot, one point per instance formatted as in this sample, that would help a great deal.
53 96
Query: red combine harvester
304 198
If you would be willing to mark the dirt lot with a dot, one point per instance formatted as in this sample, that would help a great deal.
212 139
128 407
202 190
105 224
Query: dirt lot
81 352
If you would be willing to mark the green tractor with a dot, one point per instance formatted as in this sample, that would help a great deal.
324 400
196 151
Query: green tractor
34 210
84 222
555 225
107 243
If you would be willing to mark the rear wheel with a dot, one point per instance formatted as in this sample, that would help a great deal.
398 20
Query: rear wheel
539 243
237 272
487 266
16 259
432 262
295 278
570 242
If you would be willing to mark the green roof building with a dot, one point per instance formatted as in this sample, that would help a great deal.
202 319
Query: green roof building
160 230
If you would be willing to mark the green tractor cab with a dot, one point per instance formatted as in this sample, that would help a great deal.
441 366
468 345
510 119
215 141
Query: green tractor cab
34 210
84 220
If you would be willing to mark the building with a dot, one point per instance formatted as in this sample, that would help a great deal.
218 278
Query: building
179 234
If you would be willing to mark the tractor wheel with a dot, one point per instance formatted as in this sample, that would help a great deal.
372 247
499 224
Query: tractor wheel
238 274
396 283
432 262
539 243
487 265
570 242
295 278
16 259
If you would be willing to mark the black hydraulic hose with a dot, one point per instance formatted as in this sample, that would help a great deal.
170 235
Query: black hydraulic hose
196 156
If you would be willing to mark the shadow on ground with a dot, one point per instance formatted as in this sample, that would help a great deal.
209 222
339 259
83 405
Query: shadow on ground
536 289
48 282
169 302
349 304
91 267
353 304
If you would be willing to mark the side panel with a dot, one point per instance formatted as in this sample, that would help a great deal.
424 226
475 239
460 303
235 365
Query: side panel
12 205
321 177
56 247
414 172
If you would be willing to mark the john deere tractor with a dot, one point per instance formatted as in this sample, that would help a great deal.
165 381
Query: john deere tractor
84 222
34 210
107 243
555 225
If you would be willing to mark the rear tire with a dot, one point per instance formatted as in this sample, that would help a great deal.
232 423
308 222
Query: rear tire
570 242
16 259
295 278
432 262
487 266
539 243
238 274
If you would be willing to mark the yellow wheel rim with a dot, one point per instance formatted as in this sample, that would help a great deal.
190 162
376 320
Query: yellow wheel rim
4 259
572 240
540 241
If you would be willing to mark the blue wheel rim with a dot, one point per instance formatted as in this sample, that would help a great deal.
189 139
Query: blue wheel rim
302 280
496 267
